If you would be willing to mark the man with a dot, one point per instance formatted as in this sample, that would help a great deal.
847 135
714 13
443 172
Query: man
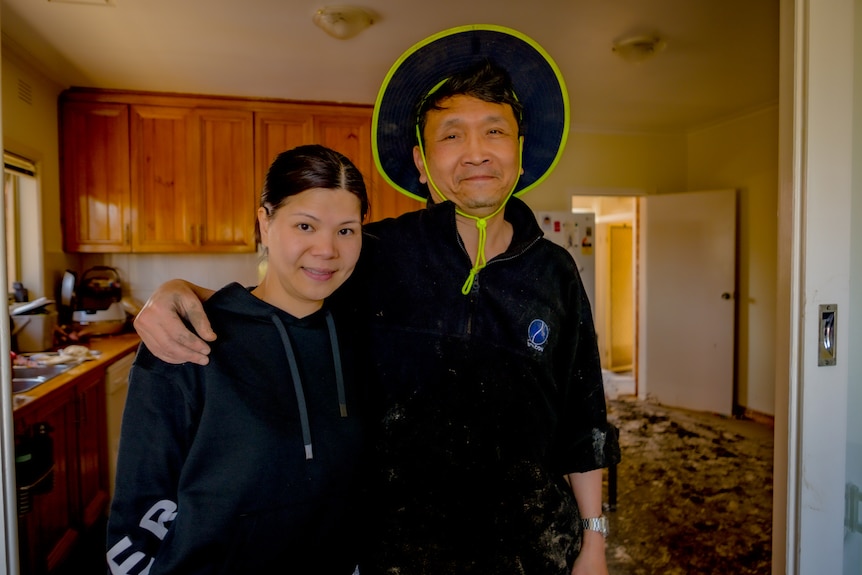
492 425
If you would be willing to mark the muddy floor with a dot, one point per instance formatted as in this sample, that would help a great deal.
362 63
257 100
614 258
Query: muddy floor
694 493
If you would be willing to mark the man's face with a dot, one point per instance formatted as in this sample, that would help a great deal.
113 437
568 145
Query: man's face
472 153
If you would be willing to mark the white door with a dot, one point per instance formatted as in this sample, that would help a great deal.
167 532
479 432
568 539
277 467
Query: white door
688 307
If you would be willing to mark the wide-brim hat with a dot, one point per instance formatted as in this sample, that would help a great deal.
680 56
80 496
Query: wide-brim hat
536 79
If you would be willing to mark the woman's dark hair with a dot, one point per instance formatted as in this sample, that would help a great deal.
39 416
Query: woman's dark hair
307 167
484 81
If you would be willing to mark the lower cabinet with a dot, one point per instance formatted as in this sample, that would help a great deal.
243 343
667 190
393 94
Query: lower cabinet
62 471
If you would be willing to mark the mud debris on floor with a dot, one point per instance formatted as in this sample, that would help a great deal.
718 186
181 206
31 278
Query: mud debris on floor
694 493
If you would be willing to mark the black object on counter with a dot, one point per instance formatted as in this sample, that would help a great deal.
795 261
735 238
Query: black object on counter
20 292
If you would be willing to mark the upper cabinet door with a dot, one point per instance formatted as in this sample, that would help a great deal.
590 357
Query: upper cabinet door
349 132
95 176
276 132
192 180
165 180
228 196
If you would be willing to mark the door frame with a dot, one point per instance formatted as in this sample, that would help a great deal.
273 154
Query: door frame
815 173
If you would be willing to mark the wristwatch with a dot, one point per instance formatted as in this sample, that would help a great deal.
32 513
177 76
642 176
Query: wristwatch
599 524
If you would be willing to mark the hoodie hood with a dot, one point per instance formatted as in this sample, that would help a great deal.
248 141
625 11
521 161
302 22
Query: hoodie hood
237 299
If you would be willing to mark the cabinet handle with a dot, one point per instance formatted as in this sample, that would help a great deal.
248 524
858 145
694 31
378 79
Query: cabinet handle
201 235
192 232
127 235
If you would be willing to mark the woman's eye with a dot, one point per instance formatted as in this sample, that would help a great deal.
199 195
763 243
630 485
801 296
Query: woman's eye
346 232
303 227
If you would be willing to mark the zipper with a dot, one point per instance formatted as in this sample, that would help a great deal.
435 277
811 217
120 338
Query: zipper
474 290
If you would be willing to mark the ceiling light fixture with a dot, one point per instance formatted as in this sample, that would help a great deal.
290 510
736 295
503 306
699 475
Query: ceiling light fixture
639 48
343 22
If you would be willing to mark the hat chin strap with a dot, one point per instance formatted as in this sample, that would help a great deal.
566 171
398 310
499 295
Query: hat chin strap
481 223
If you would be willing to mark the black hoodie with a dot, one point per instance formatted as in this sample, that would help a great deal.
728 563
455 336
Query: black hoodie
237 467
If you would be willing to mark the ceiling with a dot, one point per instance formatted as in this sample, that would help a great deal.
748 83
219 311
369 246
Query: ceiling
720 59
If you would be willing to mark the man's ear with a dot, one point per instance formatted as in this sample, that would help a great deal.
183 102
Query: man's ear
521 138
420 165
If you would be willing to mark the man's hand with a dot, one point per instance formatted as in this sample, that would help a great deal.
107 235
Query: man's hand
161 328
587 488
591 560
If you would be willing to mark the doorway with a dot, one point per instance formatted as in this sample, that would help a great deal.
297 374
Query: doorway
622 308
615 305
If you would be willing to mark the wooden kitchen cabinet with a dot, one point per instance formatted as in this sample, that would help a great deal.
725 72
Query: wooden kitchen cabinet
91 422
163 179
192 180
228 196
76 496
276 132
170 173
345 129
352 132
95 176
349 132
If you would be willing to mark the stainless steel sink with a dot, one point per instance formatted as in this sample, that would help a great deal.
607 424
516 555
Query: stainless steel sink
26 378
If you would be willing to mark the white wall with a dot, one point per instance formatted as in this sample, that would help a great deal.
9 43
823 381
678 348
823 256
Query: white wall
593 162
743 154
141 274
30 130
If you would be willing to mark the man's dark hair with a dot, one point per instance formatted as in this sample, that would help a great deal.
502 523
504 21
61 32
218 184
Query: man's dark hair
484 81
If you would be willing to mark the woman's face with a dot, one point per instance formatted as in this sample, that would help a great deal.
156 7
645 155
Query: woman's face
313 241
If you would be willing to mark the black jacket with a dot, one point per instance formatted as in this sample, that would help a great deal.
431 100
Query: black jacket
486 400
213 475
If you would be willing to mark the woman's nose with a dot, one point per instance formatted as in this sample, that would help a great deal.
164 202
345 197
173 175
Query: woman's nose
325 247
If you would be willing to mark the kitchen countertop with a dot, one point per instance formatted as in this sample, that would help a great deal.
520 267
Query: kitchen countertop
112 348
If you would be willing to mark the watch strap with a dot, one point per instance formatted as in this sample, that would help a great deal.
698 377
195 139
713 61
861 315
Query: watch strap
599 524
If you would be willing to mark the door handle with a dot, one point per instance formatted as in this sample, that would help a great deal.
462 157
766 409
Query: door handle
826 348
726 295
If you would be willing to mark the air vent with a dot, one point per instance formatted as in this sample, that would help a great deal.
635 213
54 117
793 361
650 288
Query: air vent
25 92
90 2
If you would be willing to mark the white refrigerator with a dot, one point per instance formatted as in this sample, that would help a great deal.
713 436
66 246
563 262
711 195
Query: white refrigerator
576 232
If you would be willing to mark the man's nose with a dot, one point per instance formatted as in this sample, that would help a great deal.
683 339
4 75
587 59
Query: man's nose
475 149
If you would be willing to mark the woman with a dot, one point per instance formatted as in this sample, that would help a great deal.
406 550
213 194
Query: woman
250 464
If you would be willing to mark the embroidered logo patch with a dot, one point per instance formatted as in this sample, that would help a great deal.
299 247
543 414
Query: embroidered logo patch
537 334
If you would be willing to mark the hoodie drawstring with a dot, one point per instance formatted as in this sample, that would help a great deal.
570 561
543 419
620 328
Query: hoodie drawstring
297 382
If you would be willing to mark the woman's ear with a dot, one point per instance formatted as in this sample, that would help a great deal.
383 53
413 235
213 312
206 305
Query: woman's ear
263 225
